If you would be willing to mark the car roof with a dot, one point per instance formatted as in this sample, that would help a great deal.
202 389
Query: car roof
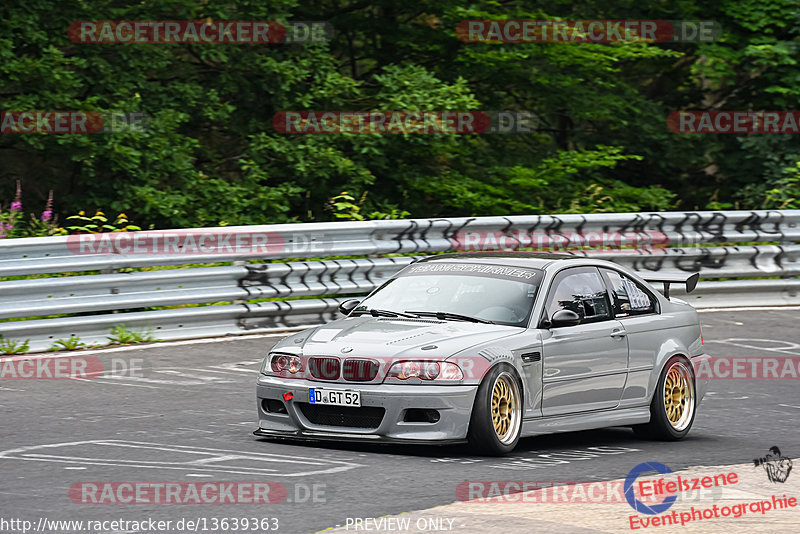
538 260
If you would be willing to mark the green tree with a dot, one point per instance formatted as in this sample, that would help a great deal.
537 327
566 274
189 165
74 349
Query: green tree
210 154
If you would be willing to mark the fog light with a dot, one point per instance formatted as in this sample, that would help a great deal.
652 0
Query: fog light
273 406
418 415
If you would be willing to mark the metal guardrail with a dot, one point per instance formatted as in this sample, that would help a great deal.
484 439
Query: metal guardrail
717 244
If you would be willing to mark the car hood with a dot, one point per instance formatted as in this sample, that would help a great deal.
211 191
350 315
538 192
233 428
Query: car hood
394 337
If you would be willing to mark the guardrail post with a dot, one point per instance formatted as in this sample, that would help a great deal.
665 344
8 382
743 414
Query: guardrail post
239 263
784 244
113 290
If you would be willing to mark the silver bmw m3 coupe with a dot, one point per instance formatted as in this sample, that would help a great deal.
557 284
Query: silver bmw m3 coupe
488 348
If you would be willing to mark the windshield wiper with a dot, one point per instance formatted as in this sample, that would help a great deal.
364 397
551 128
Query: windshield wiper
384 313
448 315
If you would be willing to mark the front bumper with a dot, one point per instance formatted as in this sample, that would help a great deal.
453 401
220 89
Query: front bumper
453 403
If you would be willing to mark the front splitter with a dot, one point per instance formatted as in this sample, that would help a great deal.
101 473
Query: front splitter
309 435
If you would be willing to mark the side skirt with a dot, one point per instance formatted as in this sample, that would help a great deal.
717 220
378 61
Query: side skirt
585 421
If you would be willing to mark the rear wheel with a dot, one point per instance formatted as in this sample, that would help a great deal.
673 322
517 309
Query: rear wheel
496 421
672 410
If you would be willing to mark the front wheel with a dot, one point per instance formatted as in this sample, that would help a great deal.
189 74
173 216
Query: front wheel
674 401
496 421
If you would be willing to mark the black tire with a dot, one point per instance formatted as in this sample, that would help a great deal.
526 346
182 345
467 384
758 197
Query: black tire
482 436
661 427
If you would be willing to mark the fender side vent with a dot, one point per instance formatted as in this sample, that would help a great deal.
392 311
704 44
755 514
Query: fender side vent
529 357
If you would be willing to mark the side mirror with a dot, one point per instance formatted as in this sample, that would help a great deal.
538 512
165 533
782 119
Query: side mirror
565 318
347 306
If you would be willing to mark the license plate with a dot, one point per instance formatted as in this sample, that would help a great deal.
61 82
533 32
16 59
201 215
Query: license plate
337 397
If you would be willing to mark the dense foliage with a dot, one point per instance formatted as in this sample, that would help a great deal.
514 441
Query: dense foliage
211 156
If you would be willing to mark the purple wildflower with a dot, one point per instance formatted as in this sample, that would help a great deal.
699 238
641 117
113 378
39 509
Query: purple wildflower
47 214
17 204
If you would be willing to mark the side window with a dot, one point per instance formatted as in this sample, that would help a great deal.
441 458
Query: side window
628 298
582 291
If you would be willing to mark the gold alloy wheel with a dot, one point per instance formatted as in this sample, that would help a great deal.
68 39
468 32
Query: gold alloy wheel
506 408
679 395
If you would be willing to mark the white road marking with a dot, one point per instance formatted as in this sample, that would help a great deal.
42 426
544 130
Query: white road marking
143 416
199 459
737 342
537 460
227 369
457 460
216 369
177 376
97 381
749 308
737 323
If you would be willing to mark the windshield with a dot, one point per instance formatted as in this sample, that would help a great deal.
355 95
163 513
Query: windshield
496 293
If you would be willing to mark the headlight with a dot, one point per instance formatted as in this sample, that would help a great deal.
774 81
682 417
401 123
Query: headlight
282 364
425 370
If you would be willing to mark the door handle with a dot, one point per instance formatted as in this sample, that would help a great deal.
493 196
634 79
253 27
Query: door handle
618 333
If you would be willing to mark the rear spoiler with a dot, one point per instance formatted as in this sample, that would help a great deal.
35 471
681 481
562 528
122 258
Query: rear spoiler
678 278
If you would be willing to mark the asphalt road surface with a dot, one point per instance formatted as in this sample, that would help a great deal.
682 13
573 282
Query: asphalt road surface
188 416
